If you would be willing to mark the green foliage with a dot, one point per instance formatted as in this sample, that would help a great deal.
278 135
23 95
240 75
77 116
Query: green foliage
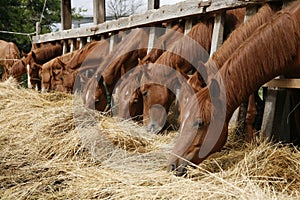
22 15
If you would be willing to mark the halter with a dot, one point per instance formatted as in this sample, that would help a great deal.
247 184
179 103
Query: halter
108 97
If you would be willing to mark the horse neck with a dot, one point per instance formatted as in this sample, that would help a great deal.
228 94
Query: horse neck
263 56
239 35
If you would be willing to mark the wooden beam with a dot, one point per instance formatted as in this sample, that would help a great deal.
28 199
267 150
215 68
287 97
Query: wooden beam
73 45
284 83
65 47
99 11
153 4
218 32
151 17
66 14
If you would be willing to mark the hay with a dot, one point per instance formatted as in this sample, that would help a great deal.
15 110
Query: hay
52 148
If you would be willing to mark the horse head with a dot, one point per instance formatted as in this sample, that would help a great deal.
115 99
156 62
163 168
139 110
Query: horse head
129 95
96 95
202 131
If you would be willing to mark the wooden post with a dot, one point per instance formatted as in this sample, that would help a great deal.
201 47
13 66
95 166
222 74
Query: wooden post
38 28
99 11
217 37
153 4
66 14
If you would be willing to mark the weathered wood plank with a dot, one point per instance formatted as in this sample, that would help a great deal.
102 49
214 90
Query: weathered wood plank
66 14
165 13
83 41
153 4
188 25
283 83
73 45
99 11
218 32
269 113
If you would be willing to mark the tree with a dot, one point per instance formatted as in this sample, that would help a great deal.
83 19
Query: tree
21 16
122 8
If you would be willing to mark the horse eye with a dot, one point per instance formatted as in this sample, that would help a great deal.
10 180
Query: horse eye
198 123
145 93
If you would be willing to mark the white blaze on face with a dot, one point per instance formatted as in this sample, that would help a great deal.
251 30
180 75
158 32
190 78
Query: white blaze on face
87 96
185 117
28 77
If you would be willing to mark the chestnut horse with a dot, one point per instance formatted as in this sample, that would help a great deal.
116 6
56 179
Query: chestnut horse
98 90
129 95
185 54
60 73
9 53
31 63
272 50
215 62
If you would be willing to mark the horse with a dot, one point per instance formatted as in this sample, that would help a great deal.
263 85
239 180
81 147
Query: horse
130 98
60 73
31 63
185 54
98 90
9 53
272 50
215 62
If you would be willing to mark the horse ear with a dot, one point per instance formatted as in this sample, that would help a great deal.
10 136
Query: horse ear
24 54
139 61
33 55
214 89
122 70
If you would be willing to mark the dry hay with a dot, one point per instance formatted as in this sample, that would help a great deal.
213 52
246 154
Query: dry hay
50 149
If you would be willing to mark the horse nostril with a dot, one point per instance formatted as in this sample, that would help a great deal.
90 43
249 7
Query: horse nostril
173 167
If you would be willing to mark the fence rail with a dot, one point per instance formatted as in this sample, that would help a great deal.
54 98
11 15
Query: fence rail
166 13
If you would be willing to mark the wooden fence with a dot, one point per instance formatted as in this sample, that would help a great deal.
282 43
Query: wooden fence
186 10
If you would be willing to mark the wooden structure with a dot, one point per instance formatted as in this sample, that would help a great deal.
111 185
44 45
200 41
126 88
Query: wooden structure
155 16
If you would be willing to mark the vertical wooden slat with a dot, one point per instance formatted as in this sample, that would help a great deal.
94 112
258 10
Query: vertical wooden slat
112 41
188 25
65 47
73 45
217 37
269 112
154 34
99 11
83 41
153 4
66 14
38 28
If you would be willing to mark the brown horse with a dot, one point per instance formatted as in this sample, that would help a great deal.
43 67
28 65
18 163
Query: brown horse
9 53
31 63
98 90
60 73
185 54
129 95
273 49
215 62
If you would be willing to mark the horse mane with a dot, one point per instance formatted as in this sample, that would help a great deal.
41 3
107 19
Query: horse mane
266 54
89 54
164 42
237 37
186 50
133 46
42 55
